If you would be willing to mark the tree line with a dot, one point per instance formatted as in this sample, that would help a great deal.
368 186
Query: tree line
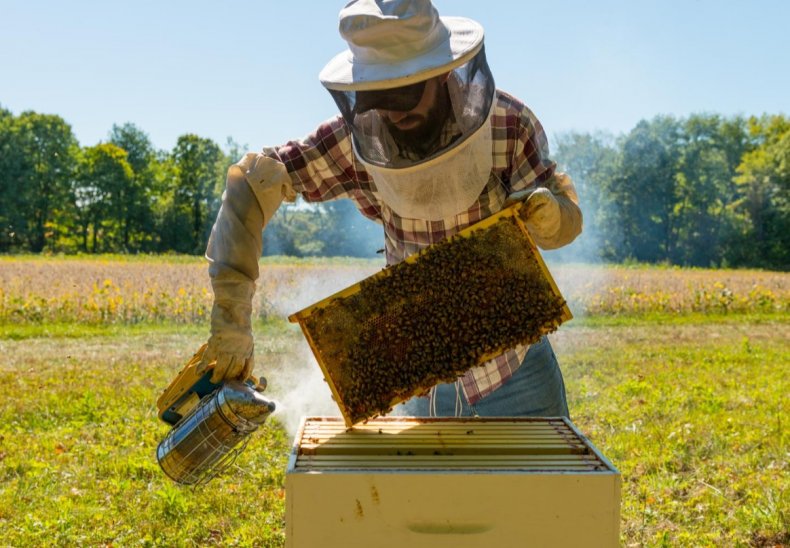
121 195
705 190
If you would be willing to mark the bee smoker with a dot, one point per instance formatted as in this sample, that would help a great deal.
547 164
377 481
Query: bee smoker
211 423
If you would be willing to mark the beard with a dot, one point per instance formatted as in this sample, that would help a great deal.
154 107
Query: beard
423 138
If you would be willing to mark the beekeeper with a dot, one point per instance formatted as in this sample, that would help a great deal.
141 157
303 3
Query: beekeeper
424 145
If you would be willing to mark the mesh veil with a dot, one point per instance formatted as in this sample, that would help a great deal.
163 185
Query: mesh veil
470 90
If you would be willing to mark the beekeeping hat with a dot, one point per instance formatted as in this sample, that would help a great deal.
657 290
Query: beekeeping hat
394 43
395 47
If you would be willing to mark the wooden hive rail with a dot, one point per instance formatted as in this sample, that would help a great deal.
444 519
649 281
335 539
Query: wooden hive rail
407 443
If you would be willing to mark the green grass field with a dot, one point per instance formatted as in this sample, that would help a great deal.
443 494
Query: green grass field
691 408
693 415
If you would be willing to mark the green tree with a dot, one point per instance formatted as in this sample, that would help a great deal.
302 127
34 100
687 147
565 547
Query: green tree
710 152
141 192
763 184
279 238
199 169
103 194
346 232
591 161
38 160
329 229
11 171
643 190
234 151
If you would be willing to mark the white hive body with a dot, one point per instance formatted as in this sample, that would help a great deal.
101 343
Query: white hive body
414 483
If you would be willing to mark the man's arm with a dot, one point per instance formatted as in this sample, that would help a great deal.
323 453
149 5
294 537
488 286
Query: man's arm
255 187
319 167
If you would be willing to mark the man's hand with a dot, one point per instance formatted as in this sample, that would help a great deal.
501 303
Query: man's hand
230 344
542 214
552 213
233 354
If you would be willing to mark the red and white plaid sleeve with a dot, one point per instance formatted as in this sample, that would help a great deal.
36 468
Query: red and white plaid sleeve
520 144
322 167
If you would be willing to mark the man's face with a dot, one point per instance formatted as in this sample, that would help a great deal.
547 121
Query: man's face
406 120
420 125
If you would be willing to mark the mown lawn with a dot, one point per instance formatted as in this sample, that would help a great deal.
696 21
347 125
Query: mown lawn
693 412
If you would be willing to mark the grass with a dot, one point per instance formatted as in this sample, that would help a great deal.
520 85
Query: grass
690 318
77 444
695 417
678 376
63 330
693 414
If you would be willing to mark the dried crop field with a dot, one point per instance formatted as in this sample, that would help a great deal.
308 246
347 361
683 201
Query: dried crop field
135 290
120 290
615 290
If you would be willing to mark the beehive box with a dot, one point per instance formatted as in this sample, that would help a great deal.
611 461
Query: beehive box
395 482
430 318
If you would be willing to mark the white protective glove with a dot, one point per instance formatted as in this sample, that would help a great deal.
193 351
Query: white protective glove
255 187
230 344
552 213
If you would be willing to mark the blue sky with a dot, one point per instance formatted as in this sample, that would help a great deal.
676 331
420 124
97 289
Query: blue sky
249 70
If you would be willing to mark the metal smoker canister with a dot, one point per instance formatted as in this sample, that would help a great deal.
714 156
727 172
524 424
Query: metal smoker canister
208 439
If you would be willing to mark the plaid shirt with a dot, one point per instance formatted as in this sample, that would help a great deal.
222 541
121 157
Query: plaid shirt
323 167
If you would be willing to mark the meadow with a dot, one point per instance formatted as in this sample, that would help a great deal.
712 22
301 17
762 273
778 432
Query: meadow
139 289
678 376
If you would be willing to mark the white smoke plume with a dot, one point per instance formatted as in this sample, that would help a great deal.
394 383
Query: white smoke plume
296 382
299 390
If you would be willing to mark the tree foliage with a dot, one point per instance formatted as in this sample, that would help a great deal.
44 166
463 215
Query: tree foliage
705 190
103 194
38 160
761 188
700 191
198 175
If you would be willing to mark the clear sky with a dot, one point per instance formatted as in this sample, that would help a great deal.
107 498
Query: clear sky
249 69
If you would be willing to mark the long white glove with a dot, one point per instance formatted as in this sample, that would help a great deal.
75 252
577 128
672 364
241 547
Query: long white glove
552 213
255 187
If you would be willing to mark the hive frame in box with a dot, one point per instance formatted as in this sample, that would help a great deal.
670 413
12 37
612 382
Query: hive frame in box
513 212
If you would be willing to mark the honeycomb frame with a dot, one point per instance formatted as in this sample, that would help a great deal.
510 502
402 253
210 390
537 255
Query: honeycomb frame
374 319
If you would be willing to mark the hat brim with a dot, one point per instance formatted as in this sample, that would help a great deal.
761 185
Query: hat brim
466 40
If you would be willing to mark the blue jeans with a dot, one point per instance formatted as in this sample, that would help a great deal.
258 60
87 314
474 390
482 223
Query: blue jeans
536 389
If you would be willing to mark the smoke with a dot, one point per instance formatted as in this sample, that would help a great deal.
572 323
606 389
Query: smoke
329 229
291 294
358 235
299 390
296 382
586 248
577 268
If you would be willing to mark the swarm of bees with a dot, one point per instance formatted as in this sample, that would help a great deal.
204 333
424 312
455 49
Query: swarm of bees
464 301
